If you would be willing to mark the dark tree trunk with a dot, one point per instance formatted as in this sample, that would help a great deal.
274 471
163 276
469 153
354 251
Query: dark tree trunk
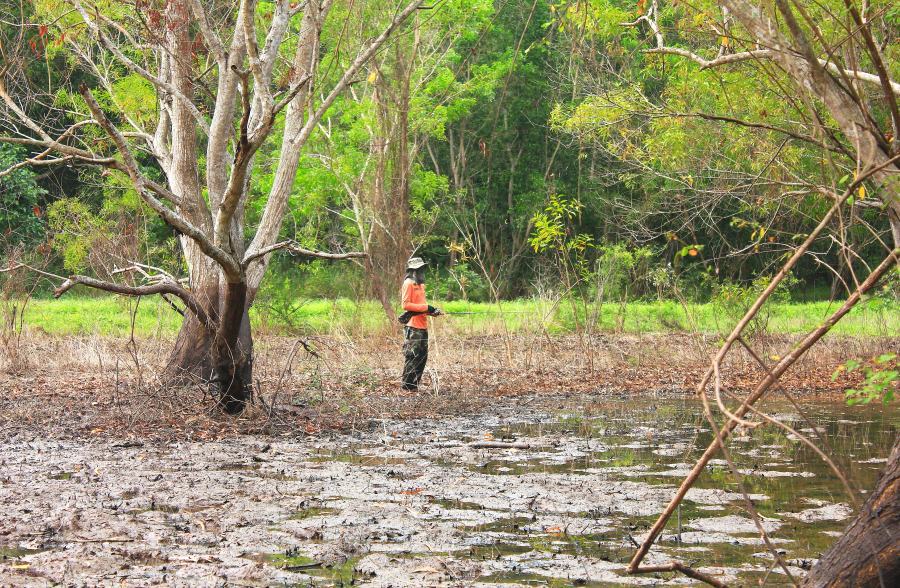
232 362
223 360
190 359
868 553
381 293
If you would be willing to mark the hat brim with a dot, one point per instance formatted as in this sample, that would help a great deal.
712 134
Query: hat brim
417 265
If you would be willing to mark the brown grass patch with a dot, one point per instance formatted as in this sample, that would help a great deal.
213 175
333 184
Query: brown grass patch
95 386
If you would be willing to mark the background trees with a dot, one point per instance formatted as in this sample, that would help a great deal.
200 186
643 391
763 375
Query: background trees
681 134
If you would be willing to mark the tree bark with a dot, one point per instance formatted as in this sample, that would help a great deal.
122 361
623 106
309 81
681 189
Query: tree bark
868 553
223 359
232 361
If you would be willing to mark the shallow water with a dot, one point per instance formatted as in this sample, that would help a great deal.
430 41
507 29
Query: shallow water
792 487
410 504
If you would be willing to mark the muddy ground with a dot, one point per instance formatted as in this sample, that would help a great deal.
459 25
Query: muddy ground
334 477
411 503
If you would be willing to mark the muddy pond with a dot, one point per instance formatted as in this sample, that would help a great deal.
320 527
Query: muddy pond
411 504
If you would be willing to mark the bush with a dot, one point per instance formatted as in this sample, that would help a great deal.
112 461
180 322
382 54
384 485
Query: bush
731 301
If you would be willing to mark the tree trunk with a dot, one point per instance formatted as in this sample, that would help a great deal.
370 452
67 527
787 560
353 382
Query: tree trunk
232 361
223 360
868 553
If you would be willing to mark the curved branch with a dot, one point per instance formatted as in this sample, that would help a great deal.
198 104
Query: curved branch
166 286
834 68
34 162
293 247
718 61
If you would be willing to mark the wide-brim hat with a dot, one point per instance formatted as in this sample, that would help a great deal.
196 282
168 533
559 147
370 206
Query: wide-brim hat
415 263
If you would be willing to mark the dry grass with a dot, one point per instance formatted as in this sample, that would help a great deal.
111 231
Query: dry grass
98 386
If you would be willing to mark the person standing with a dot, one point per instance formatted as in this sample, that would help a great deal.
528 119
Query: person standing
415 344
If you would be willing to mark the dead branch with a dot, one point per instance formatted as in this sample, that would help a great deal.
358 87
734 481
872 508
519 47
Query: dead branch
294 248
789 359
881 79
165 286
674 566
499 445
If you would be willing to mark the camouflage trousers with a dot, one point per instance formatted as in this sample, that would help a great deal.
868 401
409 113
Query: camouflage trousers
415 352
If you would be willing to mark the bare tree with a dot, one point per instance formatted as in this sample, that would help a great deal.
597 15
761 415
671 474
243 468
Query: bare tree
223 75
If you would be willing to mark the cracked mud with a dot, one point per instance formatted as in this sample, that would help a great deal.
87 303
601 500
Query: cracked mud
411 504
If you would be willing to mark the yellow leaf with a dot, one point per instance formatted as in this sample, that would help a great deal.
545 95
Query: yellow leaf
373 76
726 41
23 566
862 192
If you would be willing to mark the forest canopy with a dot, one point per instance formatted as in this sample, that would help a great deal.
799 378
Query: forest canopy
457 138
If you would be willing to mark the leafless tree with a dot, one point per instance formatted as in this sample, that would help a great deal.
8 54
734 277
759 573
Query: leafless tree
224 75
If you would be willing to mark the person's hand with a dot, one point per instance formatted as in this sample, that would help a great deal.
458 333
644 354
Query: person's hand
434 311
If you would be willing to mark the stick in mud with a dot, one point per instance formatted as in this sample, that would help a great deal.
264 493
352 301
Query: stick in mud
674 566
499 445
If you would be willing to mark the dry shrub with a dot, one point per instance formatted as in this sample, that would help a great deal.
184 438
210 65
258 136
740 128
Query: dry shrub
16 289
92 385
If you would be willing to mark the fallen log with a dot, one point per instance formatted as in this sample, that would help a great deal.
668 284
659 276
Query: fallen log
499 445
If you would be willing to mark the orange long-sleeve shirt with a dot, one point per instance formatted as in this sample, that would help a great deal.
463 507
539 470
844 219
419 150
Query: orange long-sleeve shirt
412 296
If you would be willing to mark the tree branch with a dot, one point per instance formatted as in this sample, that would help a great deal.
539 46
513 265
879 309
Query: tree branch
144 188
293 247
756 125
675 566
855 74
166 286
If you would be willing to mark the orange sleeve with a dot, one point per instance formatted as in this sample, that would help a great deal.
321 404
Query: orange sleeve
411 301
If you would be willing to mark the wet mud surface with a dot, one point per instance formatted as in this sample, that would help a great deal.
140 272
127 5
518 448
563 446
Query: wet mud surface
411 504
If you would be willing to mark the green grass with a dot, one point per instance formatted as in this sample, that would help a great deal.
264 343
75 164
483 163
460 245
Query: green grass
113 316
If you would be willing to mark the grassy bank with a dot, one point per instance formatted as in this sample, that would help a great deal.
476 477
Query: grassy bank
153 317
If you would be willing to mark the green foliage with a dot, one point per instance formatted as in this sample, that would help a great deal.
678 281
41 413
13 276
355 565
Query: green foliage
881 379
134 96
733 300
619 266
459 282
20 200
551 227
75 230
